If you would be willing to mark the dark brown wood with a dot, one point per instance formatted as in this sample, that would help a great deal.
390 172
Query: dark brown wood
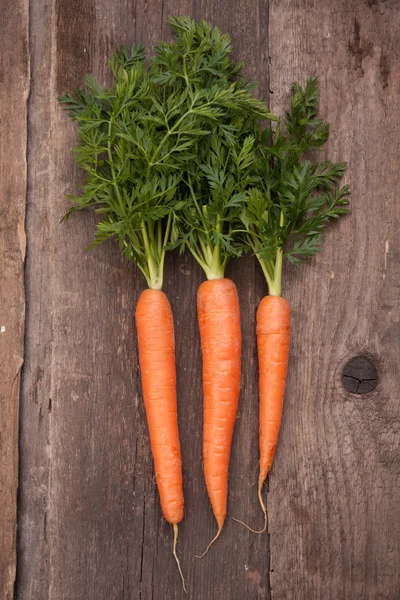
14 89
90 520
334 491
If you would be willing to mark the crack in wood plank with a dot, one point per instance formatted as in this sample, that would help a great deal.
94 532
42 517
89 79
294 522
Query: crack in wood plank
14 90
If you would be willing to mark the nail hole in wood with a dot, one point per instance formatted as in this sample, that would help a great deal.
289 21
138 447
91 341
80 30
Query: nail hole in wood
359 375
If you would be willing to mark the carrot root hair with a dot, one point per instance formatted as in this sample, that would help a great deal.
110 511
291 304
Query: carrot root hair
210 544
258 531
175 526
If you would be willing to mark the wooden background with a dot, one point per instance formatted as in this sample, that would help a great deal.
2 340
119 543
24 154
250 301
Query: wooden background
89 521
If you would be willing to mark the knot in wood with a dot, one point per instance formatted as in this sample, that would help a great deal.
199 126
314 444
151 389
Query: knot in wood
359 375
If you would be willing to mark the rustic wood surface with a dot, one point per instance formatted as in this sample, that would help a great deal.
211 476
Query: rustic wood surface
334 492
14 88
90 525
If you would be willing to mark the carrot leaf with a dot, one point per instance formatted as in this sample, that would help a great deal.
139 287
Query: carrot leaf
294 198
139 144
213 183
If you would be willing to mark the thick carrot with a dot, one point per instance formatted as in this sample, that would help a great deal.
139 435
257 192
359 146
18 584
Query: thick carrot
273 339
155 327
219 323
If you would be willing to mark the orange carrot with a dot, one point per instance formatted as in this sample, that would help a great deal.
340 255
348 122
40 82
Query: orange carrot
285 215
155 327
273 339
219 322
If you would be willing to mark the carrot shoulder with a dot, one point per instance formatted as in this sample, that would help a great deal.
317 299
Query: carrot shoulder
273 339
155 327
219 323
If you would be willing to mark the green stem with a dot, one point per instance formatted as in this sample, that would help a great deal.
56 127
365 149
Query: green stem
162 254
152 239
200 212
212 255
266 269
273 273
159 237
154 278
273 269
210 262
277 287
145 238
217 269
167 230
201 262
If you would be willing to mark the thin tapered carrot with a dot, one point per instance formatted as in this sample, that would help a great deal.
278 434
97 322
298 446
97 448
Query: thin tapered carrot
273 340
286 214
219 323
155 327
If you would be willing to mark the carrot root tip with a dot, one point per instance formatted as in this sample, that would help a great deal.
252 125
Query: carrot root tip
210 544
258 531
175 526
260 484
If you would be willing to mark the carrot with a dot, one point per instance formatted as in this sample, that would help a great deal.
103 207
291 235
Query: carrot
156 341
273 339
219 323
155 327
286 213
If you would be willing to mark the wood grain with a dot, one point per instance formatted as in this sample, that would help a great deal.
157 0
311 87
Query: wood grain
90 520
14 89
334 490
89 516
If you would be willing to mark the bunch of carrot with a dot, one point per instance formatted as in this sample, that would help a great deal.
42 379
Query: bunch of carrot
176 156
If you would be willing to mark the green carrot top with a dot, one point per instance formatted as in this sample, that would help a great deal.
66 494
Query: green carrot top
122 131
288 209
137 137
214 179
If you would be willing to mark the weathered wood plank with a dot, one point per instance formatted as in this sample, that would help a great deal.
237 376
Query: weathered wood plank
14 89
91 525
334 493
